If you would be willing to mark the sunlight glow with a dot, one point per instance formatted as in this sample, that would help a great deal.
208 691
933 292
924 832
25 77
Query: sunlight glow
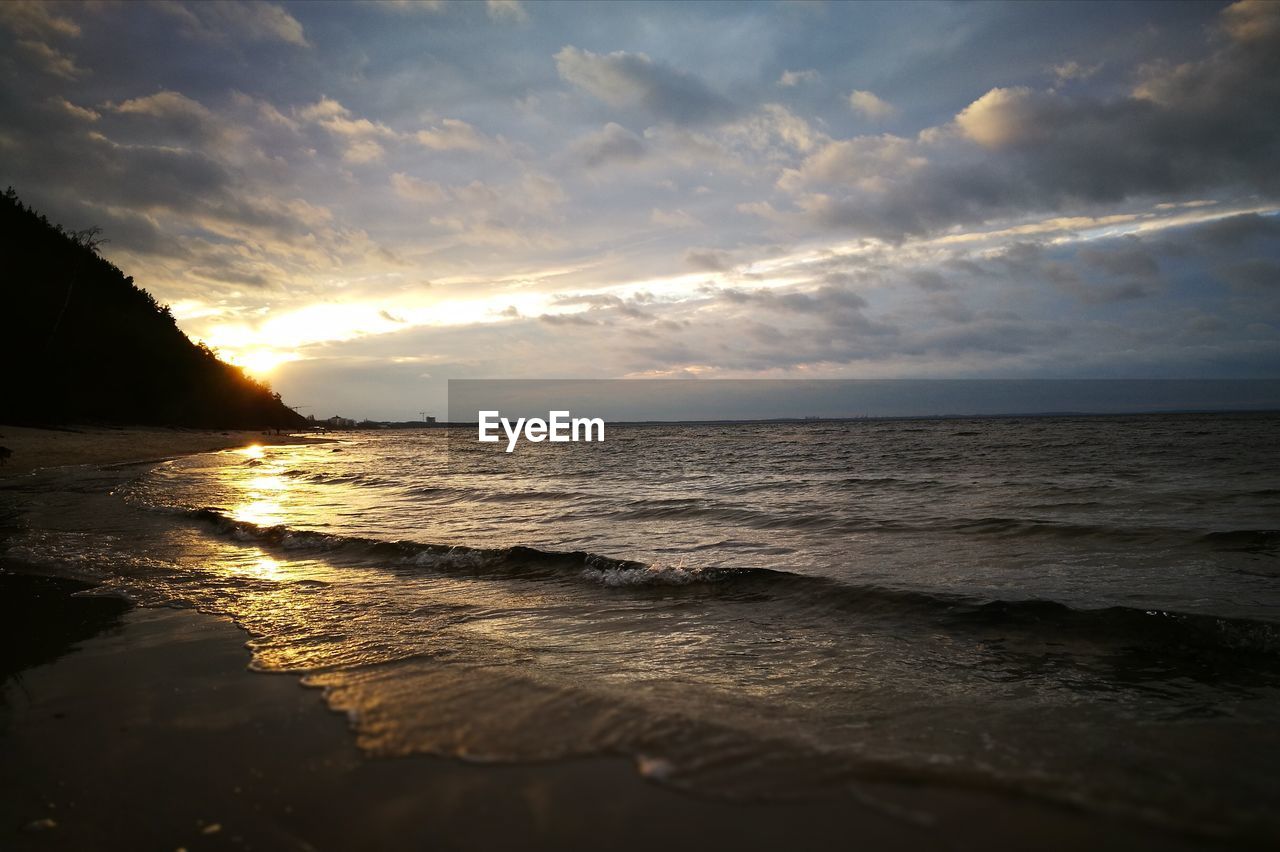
260 362
282 337
259 512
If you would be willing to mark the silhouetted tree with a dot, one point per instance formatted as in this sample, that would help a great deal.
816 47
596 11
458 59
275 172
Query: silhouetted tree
83 343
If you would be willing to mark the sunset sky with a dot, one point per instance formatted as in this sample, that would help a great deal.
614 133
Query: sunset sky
358 202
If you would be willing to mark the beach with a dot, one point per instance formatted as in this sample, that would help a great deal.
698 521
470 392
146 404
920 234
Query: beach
35 448
142 728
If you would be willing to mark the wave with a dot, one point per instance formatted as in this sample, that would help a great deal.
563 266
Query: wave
1248 541
1257 541
1121 626
339 479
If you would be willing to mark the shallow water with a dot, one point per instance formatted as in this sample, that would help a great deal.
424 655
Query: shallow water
1081 609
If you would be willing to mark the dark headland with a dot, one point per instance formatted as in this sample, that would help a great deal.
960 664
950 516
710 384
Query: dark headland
84 344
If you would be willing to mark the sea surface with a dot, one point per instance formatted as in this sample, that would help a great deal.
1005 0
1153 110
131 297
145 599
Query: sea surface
1083 610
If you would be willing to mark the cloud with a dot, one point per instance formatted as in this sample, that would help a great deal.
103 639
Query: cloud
634 81
1255 274
773 131
77 112
761 209
223 20
1234 233
451 134
566 319
1101 274
431 6
506 11
1127 258
795 78
611 144
1189 129
1004 117
51 60
33 19
709 260
866 162
673 219
170 116
533 192
1072 70
539 191
871 106
361 140
338 120
1252 21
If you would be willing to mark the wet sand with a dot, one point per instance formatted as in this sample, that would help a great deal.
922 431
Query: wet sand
130 728
56 447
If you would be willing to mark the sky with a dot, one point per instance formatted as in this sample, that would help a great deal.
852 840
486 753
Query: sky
358 202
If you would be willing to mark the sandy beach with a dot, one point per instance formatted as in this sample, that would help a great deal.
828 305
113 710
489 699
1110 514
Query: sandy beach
220 757
72 445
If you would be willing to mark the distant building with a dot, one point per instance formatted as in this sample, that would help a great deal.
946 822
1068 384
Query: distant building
337 422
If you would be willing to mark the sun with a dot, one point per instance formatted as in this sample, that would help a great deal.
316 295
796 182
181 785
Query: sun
261 362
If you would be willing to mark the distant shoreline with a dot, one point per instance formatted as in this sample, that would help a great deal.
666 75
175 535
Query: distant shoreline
62 446
1190 412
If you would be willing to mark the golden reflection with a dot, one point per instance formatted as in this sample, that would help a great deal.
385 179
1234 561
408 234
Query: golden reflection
262 493
260 512
268 482
265 568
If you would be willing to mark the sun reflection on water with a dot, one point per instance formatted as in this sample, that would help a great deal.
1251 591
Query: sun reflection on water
268 482
264 567
262 512
262 495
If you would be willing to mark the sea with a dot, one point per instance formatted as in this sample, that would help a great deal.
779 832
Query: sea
1081 610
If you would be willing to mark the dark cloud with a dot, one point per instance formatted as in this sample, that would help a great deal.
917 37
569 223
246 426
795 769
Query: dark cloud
566 319
1127 258
1234 232
1257 274
831 305
634 81
1114 271
708 260
928 279
610 304
1185 129
990 336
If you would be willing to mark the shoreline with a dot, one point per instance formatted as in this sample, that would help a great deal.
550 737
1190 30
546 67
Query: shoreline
63 446
221 755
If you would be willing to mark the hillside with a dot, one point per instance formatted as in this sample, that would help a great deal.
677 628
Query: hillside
83 344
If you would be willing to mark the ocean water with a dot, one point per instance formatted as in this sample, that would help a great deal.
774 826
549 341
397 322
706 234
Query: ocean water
1083 610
